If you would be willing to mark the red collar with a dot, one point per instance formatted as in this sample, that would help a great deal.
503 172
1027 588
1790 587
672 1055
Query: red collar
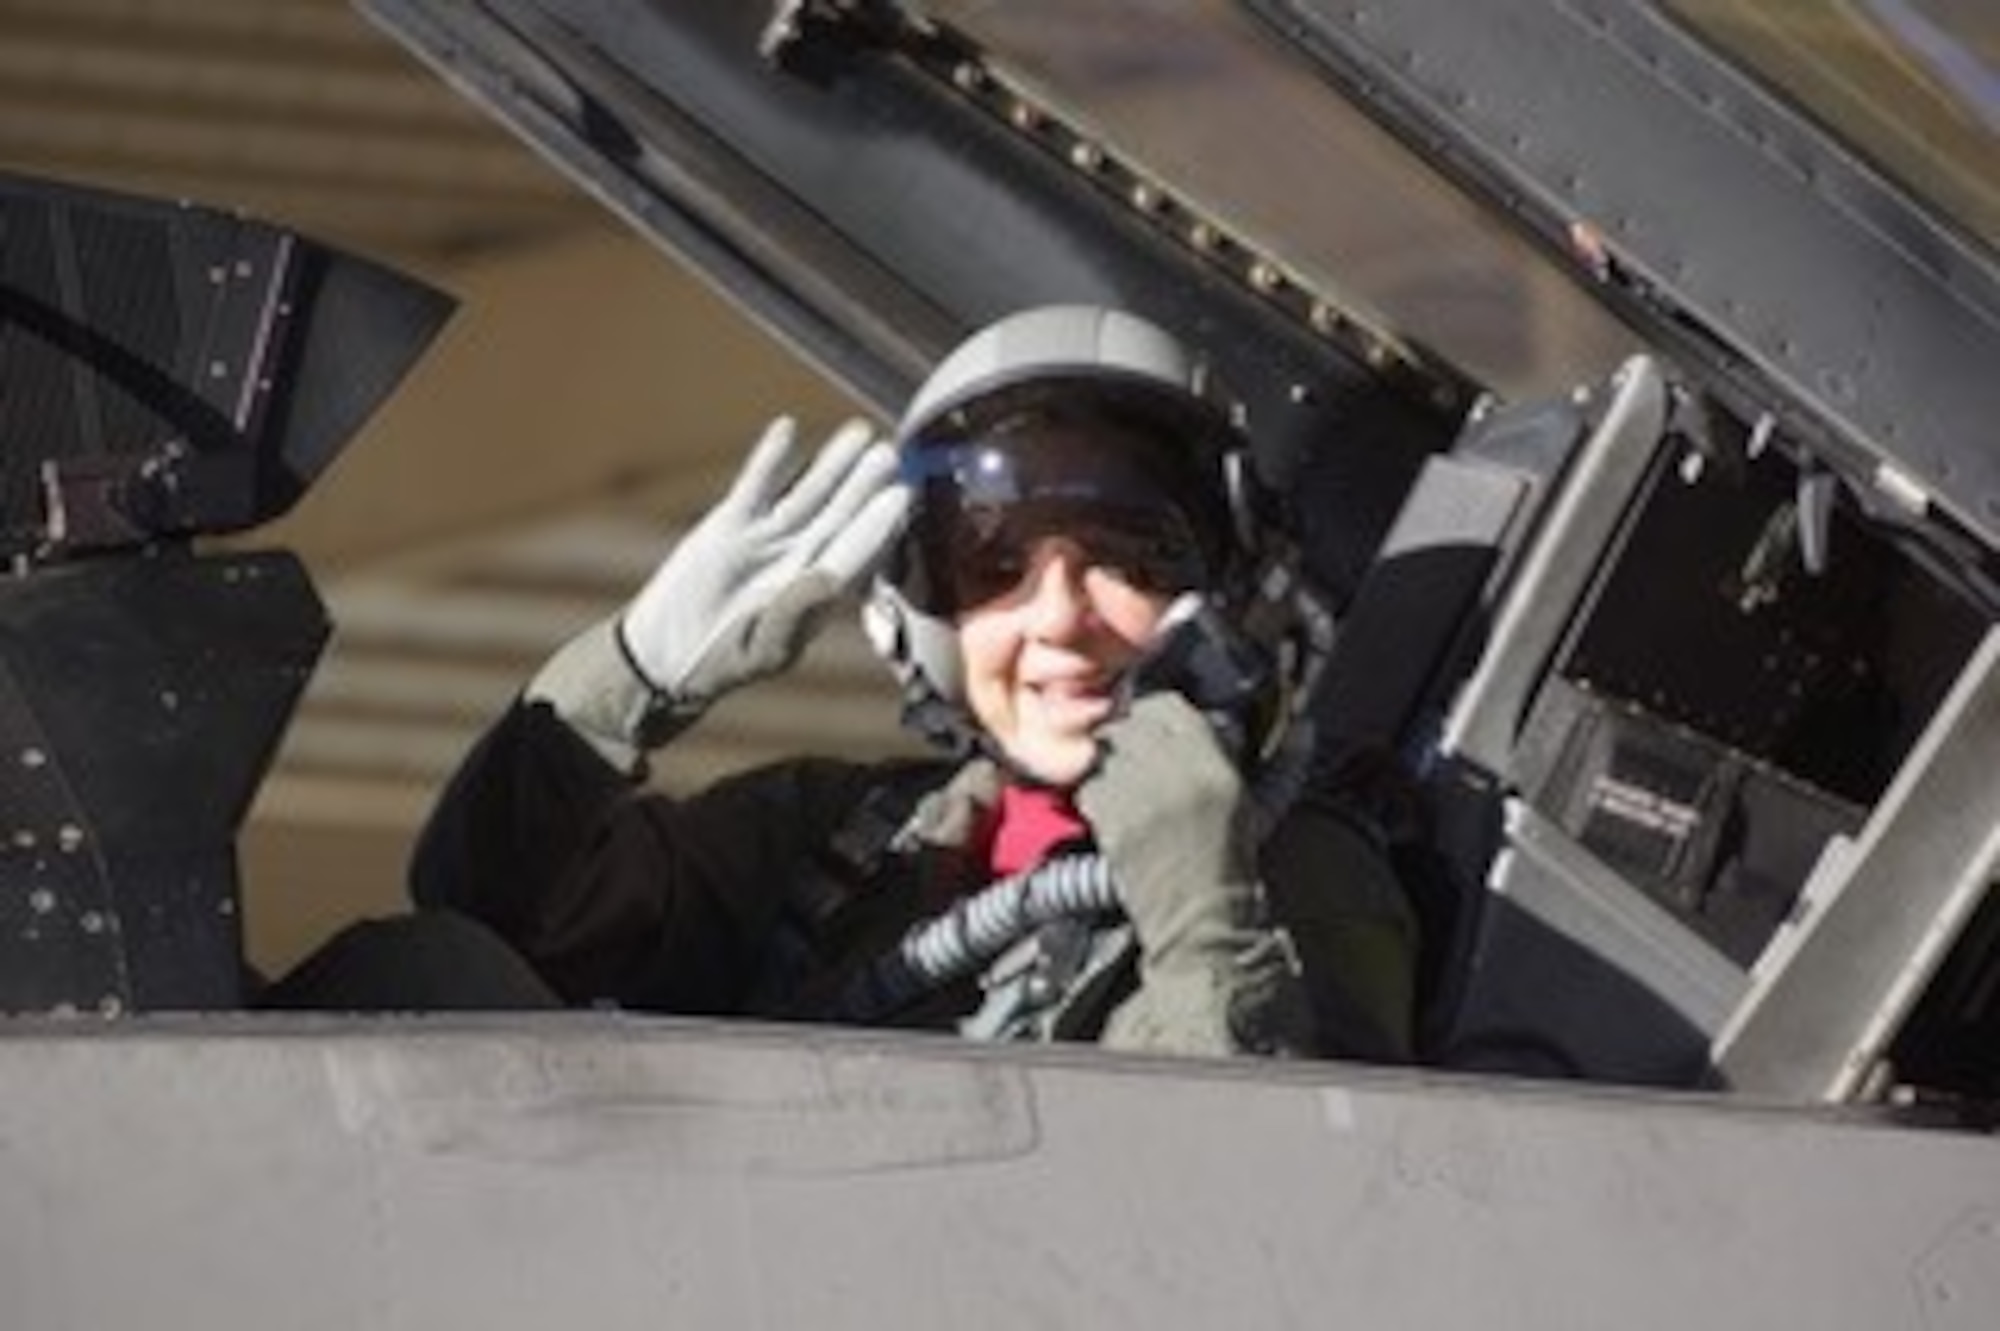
1031 822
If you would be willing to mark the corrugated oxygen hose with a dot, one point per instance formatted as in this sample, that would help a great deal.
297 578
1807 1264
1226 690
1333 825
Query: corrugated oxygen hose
975 931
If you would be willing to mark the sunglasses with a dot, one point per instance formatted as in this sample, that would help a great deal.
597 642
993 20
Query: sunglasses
1132 496
979 555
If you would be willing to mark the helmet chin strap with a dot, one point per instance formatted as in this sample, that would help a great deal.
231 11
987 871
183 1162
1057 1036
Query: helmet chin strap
910 644
927 710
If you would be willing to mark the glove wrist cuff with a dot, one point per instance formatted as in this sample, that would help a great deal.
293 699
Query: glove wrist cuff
599 692
655 715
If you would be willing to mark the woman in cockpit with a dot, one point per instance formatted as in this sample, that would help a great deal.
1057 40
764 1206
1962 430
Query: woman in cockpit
1065 570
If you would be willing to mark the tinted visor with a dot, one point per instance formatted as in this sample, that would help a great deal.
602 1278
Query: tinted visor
1140 506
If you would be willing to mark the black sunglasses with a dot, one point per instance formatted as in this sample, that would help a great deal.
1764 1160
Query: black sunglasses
975 554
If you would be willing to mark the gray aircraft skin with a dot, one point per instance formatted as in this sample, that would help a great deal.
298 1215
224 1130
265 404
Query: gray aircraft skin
1631 370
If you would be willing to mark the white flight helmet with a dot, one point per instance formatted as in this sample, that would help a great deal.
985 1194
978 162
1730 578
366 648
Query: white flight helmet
1061 405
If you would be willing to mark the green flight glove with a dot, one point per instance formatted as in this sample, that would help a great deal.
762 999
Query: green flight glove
1170 813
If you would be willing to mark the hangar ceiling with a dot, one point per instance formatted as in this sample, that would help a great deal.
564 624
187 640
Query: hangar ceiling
296 111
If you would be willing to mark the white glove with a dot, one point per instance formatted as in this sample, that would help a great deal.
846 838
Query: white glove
746 590
743 593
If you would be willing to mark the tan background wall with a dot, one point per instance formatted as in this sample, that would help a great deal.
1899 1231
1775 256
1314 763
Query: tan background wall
590 364
588 374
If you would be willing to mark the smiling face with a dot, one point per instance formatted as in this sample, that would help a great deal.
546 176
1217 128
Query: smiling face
1049 541
1042 659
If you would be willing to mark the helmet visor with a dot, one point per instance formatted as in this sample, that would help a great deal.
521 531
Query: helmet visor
1137 506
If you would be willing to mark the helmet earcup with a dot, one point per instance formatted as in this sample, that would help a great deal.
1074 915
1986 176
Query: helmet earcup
921 650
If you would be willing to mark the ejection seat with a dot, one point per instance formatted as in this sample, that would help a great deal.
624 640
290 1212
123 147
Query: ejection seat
1534 961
